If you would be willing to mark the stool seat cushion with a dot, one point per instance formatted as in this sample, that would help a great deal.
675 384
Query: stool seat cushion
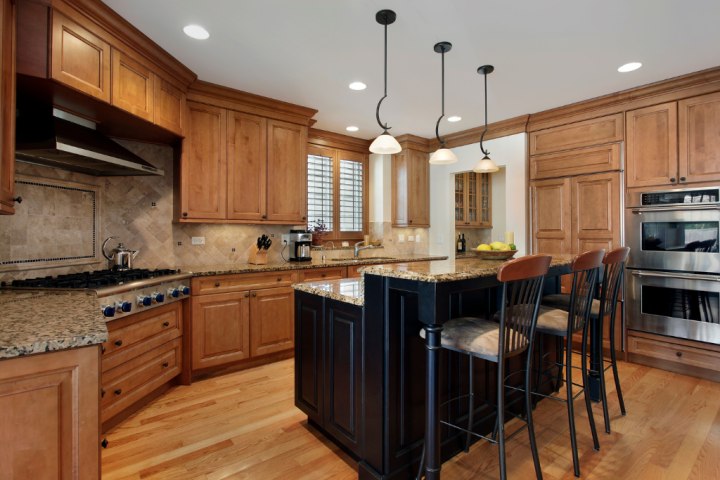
473 335
561 301
553 321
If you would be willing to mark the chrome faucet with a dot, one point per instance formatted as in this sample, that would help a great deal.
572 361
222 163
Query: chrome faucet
358 248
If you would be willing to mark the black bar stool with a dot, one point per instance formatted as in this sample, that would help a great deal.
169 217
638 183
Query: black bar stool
522 282
563 324
614 266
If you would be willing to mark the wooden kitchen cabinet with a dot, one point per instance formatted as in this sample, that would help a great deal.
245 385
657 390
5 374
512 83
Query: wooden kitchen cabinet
473 199
7 108
143 353
699 138
410 189
242 168
328 361
220 329
169 105
271 320
651 146
551 215
203 167
132 85
587 133
50 426
576 162
79 58
318 274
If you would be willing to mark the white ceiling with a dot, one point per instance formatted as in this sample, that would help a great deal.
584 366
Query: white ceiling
546 53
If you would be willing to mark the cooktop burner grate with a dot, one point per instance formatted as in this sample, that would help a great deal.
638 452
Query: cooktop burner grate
96 279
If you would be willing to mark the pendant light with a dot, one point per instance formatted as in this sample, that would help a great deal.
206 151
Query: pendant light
486 165
442 156
385 143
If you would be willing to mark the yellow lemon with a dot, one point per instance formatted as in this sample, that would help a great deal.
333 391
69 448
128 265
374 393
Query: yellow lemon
484 247
497 245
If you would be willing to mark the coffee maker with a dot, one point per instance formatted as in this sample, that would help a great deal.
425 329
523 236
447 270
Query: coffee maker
299 242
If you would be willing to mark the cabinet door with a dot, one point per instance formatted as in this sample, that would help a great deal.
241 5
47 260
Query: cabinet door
460 208
79 59
271 320
220 329
203 182
169 105
699 138
596 212
651 142
410 189
343 362
247 166
132 85
7 107
552 217
50 424
286 172
309 355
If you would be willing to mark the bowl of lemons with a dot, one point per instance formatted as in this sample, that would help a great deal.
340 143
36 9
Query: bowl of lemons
496 251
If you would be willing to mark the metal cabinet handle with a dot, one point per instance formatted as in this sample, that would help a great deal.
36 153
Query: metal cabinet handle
679 354
102 392
217 284
166 324
104 443
247 294
118 391
254 294
102 349
17 199
165 364
118 343
672 179
682 179
185 214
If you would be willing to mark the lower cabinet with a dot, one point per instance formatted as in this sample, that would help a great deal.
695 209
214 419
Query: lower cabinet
143 353
328 359
251 315
50 415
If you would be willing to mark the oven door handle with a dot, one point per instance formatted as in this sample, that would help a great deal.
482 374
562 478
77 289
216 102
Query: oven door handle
680 276
675 208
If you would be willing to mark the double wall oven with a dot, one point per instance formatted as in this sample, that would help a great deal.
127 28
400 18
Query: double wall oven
673 273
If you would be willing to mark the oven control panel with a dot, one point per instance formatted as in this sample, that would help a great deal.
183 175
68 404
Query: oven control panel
681 196
127 303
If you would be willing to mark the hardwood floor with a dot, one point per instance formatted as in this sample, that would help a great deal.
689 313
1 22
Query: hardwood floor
244 426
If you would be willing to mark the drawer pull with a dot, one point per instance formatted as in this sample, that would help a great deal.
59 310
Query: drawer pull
323 275
217 284
166 364
247 294
118 391
102 392
679 354
118 343
166 324
104 443
279 279
102 348
254 294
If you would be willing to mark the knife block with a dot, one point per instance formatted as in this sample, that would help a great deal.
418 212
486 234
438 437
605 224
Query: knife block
257 256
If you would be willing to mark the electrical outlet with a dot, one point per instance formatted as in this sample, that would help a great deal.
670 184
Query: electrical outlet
198 240
411 238
401 238
417 238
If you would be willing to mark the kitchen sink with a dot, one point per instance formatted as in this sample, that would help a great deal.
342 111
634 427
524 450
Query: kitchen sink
366 259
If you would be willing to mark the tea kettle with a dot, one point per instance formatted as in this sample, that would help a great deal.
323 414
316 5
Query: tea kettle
120 258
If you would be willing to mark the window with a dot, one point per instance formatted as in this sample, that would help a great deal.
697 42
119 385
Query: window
337 186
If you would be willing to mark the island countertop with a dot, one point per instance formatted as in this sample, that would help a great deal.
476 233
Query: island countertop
41 321
449 270
348 290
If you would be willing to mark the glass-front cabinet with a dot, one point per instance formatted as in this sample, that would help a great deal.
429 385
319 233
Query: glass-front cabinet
472 200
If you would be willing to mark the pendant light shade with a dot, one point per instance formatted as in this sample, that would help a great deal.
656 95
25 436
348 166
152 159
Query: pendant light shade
385 143
485 165
442 156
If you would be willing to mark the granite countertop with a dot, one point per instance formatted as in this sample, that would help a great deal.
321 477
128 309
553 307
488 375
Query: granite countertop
348 290
39 321
449 270
232 268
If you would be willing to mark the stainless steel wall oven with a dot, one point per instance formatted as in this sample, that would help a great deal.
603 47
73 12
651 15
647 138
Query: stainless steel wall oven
673 277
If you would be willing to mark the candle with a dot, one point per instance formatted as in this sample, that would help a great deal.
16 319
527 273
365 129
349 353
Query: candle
509 237
366 239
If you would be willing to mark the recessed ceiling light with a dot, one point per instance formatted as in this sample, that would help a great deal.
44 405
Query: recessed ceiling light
357 86
629 67
196 31
454 118
352 128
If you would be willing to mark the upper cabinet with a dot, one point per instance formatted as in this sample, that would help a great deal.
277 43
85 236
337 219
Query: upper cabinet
96 53
473 200
596 131
674 143
7 107
241 167
410 188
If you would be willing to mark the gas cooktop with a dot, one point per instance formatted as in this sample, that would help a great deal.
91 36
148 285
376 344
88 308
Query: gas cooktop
96 279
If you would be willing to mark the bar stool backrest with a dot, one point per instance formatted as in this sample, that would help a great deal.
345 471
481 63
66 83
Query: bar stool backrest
614 263
522 281
585 268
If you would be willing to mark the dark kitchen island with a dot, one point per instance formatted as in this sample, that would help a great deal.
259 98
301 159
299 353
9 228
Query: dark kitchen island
360 364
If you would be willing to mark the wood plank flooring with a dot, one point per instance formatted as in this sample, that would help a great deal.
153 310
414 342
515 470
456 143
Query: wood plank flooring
244 426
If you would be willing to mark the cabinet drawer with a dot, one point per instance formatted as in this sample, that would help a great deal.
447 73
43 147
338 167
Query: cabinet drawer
575 162
132 380
245 281
321 274
125 333
673 352
596 131
352 271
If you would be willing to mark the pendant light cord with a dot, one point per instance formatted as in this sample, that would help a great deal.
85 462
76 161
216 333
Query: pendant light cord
442 102
482 149
377 110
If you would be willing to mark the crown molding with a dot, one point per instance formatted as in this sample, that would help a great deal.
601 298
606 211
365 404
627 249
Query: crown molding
324 138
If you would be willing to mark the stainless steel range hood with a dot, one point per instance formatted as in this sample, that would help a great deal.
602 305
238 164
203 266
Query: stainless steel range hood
56 142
